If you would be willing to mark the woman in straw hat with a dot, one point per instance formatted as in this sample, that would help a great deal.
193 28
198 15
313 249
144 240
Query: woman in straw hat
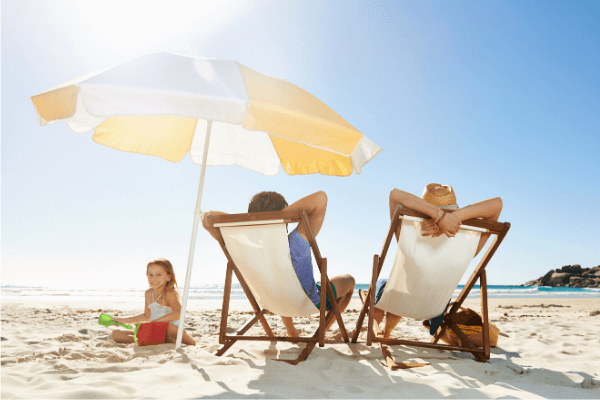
439 202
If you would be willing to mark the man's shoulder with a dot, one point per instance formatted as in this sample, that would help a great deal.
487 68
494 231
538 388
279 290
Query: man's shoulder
295 235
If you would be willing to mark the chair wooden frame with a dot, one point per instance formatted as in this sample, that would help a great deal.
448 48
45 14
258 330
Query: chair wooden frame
227 340
374 333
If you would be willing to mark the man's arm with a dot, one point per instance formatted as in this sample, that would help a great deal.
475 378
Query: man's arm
315 206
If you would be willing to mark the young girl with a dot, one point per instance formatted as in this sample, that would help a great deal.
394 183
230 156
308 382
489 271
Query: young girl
162 304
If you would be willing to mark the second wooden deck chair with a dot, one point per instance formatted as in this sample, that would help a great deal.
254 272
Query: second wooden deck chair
425 274
258 253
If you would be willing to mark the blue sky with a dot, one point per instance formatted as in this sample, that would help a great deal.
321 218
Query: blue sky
494 98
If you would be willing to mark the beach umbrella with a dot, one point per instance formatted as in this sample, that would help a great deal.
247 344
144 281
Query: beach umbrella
219 111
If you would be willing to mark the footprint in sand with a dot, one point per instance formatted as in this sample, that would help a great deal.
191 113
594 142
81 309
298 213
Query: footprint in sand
69 338
115 359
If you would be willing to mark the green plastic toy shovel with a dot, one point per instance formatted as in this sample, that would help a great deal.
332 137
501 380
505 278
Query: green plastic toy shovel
135 333
106 320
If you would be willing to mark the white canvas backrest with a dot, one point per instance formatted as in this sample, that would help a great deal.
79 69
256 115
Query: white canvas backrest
427 270
262 255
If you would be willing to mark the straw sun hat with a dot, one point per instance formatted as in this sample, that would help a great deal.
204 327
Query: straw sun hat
440 195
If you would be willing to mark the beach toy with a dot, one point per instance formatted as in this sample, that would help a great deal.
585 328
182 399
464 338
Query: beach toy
106 320
150 333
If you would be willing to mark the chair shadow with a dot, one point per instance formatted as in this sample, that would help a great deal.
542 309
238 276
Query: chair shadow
356 370
502 370
323 368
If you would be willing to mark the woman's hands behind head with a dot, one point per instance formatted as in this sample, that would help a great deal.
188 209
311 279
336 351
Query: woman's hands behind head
428 228
449 225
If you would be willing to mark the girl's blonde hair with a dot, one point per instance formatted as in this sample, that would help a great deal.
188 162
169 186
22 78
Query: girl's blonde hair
166 264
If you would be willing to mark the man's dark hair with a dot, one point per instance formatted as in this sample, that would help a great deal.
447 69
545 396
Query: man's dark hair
267 201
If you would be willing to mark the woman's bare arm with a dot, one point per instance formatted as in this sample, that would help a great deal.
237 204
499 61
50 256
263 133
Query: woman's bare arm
411 201
487 210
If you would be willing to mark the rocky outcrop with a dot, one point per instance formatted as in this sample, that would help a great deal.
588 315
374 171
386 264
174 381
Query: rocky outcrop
569 276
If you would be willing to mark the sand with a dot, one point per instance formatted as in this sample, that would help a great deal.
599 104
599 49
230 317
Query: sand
548 348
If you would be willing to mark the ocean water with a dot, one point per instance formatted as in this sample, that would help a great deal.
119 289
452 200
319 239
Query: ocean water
215 292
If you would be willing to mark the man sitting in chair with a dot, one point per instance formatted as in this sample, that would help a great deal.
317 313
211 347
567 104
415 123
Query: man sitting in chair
439 202
315 206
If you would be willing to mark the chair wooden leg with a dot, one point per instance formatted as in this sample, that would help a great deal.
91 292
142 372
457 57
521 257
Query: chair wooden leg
387 355
462 296
389 360
334 304
225 308
485 316
230 342
393 365
253 302
225 347
309 346
371 299
338 314
303 356
323 302
361 318
465 342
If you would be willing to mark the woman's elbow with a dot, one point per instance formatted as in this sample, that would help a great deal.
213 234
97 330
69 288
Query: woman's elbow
497 207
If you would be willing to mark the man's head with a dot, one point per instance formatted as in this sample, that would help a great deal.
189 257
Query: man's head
267 201
440 195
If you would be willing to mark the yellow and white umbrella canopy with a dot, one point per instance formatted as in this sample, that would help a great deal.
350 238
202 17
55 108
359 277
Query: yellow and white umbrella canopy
165 104
220 111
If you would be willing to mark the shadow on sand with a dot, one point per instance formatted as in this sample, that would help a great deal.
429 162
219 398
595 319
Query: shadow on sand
358 371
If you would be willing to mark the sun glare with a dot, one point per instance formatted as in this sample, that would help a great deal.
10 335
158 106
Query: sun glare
147 26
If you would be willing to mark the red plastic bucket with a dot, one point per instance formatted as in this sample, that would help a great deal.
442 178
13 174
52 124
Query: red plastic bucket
150 333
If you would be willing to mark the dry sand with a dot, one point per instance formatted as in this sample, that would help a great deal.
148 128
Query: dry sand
549 348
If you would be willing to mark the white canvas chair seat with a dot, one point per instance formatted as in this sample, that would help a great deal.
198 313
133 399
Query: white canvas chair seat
262 255
426 270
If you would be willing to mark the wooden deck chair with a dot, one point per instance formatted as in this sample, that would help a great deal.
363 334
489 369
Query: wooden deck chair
258 253
424 276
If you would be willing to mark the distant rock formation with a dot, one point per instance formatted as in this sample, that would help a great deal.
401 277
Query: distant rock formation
569 276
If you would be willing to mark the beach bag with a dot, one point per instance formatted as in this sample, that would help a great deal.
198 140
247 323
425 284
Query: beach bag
470 322
150 333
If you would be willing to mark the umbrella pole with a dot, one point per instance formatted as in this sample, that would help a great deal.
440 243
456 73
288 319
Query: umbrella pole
188 275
